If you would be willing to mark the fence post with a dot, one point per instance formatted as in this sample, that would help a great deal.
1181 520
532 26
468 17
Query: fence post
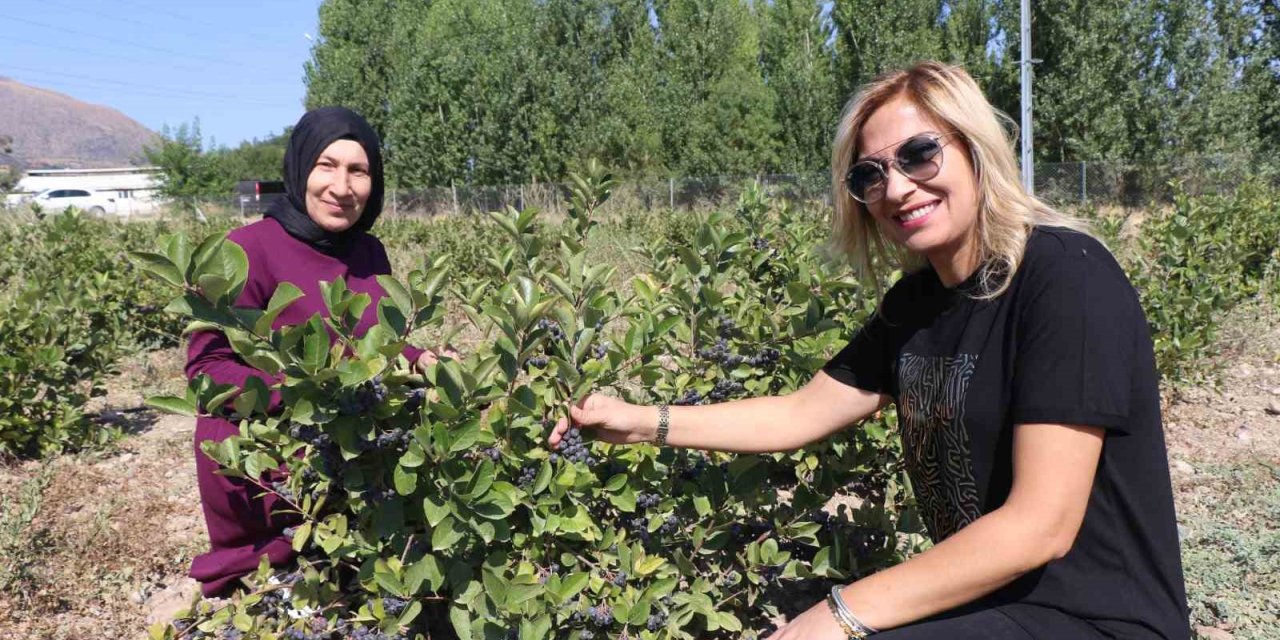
671 193
1083 183
394 209
453 188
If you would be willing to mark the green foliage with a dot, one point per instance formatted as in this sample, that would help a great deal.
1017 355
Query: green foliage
72 306
517 91
1196 261
430 500
188 170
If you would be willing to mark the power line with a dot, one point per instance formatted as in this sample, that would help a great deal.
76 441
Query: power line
127 43
188 19
150 25
162 91
105 54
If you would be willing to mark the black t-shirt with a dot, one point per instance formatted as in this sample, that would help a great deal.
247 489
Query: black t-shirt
1067 343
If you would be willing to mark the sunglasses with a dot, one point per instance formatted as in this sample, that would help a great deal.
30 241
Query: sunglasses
918 158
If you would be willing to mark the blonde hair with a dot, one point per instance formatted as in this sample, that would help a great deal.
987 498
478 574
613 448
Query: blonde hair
1006 212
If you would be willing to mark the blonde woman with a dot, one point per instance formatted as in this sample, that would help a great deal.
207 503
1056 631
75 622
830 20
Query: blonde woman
1022 369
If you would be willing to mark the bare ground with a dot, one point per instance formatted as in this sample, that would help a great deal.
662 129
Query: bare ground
96 545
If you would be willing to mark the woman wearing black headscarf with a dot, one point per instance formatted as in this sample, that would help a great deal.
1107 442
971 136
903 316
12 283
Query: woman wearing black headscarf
333 176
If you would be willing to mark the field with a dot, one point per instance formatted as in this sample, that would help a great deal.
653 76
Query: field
96 535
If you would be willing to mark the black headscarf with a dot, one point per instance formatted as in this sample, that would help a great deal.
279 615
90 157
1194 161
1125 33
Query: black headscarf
315 131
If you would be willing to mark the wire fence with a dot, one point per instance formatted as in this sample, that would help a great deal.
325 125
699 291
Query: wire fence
1063 184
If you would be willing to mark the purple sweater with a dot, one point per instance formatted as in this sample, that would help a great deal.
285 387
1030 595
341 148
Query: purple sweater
242 523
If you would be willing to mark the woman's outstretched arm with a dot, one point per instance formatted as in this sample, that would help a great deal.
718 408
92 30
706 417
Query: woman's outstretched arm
755 425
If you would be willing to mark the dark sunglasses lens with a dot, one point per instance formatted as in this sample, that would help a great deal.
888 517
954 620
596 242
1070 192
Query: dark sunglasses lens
917 157
863 178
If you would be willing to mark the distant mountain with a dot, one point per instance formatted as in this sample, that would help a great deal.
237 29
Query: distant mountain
54 130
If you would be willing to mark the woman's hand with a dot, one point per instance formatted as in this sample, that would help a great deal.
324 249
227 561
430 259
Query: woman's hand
432 356
815 624
615 421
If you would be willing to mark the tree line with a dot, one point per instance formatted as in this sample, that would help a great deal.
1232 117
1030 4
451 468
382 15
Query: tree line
518 91
515 91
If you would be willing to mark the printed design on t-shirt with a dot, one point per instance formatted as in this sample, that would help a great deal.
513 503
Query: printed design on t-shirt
935 441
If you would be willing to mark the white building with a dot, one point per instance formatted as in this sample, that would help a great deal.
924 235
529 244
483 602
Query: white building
134 188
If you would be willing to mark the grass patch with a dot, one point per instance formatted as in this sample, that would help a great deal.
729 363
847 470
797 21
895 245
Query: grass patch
1230 517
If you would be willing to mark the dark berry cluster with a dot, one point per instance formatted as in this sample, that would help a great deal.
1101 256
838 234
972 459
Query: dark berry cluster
413 401
751 530
726 327
691 471
551 327
394 606
760 243
394 440
725 389
545 574
656 621
378 496
648 500
600 616
304 432
282 488
527 475
720 353
362 398
493 453
600 350
669 526
691 397
360 632
573 449
540 362
620 579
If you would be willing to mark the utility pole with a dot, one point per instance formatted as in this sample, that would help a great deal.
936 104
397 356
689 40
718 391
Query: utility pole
1028 165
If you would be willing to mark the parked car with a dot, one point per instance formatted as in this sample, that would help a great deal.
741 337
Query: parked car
257 195
95 202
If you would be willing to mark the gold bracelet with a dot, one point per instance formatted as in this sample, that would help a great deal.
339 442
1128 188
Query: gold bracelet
664 424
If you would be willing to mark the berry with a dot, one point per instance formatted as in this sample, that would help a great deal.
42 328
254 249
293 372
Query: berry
551 327
393 606
527 475
414 400
690 397
573 449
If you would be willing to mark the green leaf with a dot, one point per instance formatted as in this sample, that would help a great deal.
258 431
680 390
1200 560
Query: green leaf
315 345
397 294
172 404
158 265
573 584
435 512
406 480
445 535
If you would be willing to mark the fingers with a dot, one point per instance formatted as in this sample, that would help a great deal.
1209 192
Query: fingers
557 433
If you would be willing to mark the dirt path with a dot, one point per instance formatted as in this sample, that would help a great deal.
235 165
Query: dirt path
113 532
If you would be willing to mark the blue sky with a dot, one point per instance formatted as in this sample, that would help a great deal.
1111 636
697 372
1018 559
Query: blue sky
235 65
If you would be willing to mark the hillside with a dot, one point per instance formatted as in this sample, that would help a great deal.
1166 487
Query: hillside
54 130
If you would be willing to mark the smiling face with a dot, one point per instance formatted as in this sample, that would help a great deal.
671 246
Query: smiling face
936 218
339 186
